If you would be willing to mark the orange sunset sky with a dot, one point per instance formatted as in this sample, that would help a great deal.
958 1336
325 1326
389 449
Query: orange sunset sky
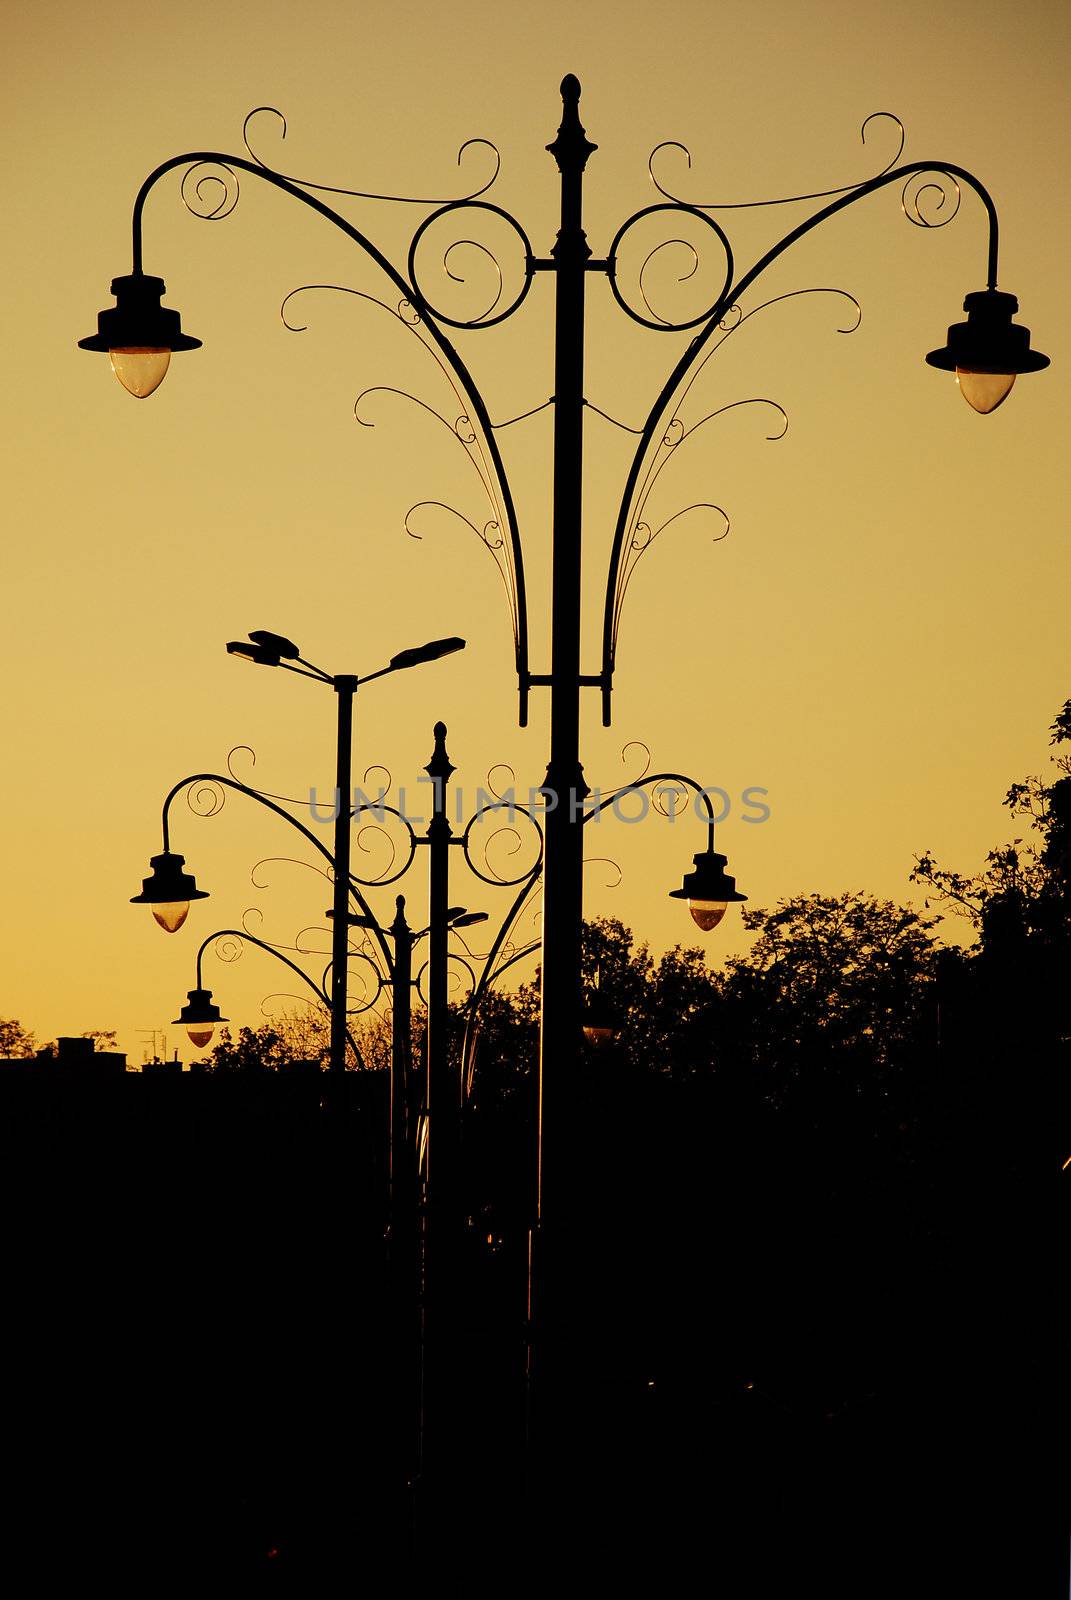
881 640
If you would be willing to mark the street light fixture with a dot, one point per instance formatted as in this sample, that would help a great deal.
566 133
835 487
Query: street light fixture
274 650
168 890
987 351
199 1016
139 334
709 890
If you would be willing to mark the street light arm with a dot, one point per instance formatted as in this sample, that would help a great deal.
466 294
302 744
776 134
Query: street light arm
408 292
651 780
306 833
660 416
234 933
904 173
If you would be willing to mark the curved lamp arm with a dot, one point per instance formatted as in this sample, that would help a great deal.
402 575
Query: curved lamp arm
657 419
653 779
306 833
234 933
408 292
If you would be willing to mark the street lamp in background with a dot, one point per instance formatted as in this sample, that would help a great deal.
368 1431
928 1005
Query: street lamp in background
169 890
272 650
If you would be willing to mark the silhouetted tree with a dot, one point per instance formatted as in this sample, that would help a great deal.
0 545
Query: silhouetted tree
834 998
1024 889
303 1036
103 1038
1007 1010
261 1050
15 1040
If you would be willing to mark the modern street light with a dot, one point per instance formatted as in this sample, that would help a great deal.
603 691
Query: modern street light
986 352
273 650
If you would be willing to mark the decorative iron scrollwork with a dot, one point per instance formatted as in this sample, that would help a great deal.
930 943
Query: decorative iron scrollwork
369 194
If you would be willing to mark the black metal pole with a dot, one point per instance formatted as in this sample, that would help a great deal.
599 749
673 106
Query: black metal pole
442 1100
565 788
438 1413
345 687
401 1046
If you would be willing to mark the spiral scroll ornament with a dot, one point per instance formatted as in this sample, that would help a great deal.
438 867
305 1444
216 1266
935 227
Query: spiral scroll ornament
689 255
486 853
209 190
206 797
462 258
925 194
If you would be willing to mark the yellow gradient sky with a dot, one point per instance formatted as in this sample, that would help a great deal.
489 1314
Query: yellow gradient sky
880 642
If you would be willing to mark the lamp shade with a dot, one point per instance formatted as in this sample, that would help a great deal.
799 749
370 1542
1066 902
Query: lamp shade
987 351
257 653
709 890
168 891
139 334
425 652
199 1016
276 644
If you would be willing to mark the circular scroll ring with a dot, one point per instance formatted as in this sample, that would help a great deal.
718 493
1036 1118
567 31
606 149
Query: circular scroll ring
704 316
512 811
471 205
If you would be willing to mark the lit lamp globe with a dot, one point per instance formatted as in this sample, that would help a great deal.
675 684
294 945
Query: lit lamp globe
139 334
988 351
598 1021
140 370
168 891
709 890
199 1017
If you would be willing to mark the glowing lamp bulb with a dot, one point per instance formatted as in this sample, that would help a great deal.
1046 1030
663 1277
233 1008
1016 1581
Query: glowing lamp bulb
706 914
984 391
140 369
171 914
200 1033
597 1033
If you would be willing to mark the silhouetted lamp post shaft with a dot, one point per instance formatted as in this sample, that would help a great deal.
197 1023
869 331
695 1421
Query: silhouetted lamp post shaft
345 688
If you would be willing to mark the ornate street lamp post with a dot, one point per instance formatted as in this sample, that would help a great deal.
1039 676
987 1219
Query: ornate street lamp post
986 353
